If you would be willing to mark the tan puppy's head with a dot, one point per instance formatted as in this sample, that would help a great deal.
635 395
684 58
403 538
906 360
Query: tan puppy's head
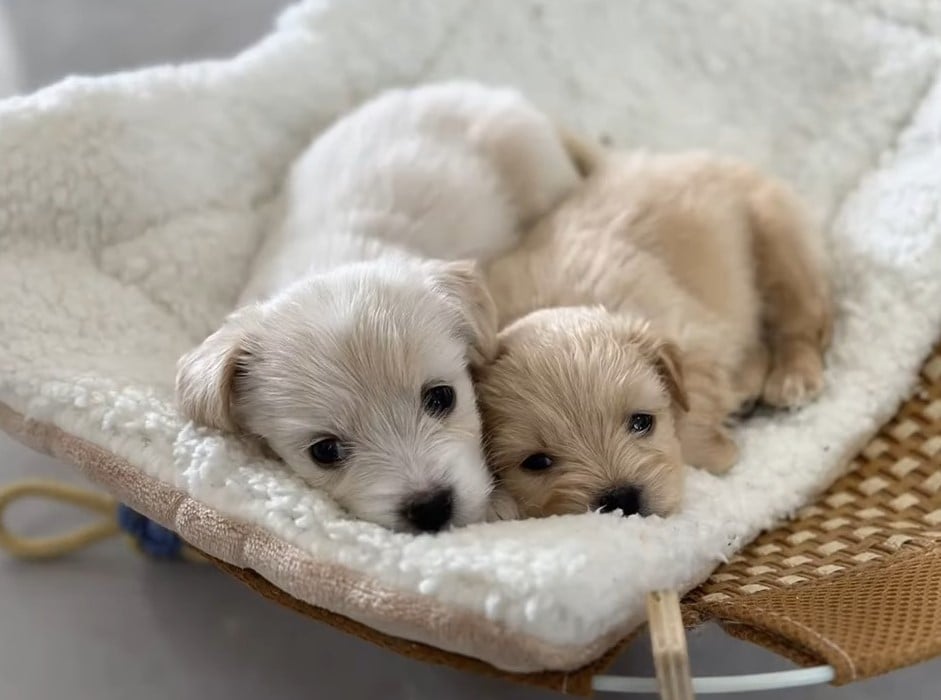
579 412
359 381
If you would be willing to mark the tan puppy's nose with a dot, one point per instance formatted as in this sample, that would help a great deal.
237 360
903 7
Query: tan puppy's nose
627 499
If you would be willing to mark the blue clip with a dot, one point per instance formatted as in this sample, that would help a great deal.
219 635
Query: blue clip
152 539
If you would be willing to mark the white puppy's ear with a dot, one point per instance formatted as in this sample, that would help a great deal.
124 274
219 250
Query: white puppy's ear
207 376
463 286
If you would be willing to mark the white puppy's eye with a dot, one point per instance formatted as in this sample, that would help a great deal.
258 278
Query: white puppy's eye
641 423
328 452
537 462
438 401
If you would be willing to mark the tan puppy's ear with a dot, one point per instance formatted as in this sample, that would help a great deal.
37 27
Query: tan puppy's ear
586 155
207 375
664 354
670 369
464 287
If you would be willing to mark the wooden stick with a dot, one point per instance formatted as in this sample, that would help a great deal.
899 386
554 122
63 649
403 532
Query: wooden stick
668 643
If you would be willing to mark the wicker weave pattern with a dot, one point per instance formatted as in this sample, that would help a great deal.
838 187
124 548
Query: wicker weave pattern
855 579
889 502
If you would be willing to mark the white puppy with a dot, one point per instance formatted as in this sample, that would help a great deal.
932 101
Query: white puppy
351 357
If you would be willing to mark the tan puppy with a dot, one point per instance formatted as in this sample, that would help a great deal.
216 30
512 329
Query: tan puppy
664 295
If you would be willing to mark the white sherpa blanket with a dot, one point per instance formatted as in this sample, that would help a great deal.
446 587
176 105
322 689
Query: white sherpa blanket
130 207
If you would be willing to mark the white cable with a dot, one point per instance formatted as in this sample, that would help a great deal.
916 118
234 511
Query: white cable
721 684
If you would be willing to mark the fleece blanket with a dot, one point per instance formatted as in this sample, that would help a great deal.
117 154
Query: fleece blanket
131 205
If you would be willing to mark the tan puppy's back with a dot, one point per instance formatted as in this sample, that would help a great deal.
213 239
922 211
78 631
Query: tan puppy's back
693 218
660 235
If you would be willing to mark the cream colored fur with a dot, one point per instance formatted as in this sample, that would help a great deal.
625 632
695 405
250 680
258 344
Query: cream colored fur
679 287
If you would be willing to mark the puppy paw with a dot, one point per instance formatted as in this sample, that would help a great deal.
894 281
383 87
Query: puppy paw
796 382
502 506
711 449
749 381
721 453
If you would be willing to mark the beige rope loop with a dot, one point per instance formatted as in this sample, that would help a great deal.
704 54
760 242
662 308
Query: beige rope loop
57 545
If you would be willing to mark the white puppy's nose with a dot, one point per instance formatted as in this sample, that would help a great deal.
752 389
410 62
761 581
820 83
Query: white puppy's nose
430 512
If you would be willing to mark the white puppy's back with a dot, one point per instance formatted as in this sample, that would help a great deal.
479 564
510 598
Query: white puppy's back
450 170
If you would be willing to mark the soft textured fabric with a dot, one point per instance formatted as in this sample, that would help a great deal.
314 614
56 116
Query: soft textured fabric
131 205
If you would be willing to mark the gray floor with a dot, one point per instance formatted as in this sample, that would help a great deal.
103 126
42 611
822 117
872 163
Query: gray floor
105 624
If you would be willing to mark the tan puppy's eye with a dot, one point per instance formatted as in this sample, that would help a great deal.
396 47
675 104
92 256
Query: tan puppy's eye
537 462
328 453
438 401
641 423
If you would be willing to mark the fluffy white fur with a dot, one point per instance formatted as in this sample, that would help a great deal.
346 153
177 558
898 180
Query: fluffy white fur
351 319
448 170
129 209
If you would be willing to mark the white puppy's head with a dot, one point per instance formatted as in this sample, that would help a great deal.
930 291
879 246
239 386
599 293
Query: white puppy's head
359 380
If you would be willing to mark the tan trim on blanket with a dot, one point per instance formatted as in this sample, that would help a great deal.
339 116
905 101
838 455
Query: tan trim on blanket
573 683
359 600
